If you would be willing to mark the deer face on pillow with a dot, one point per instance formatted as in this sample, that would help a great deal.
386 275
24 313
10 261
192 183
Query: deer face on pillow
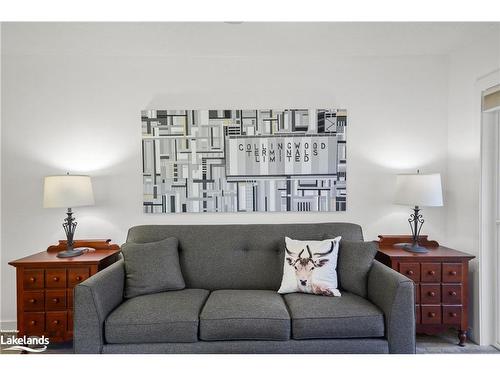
310 267
305 265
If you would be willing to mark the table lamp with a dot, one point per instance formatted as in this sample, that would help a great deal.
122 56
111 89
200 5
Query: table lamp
418 190
68 191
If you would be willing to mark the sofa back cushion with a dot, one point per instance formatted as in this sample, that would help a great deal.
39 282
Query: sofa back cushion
354 262
237 256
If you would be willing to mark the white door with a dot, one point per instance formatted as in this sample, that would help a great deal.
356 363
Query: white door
496 122
491 119
489 257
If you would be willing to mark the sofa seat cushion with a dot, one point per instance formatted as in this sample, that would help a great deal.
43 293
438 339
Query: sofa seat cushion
319 317
160 317
244 315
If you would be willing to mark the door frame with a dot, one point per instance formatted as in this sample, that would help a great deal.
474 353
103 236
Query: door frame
489 267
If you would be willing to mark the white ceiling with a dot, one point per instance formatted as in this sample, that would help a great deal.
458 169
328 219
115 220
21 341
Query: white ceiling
220 39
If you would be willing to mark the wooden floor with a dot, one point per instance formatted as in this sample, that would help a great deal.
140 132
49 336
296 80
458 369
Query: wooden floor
442 344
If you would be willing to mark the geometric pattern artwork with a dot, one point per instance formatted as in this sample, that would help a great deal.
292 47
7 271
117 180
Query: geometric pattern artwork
244 160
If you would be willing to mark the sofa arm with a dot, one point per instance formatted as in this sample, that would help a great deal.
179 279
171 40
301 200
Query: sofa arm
394 294
94 299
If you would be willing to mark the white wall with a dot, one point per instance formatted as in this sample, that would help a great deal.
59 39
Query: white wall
467 65
78 109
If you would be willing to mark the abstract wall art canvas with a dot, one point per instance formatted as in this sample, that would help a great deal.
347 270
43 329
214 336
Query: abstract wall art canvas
244 160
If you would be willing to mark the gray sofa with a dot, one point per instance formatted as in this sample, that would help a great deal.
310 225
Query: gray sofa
230 304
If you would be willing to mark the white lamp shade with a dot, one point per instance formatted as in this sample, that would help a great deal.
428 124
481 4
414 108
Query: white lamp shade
67 191
419 190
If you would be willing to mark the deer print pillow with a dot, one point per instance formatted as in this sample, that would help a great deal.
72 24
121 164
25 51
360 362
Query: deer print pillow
310 267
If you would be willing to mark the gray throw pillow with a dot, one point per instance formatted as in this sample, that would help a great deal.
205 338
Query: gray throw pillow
152 267
354 263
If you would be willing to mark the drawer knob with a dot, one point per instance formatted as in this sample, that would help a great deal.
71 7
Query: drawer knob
32 300
55 300
32 279
432 294
409 272
453 273
453 293
33 322
432 272
453 314
432 314
78 278
55 322
55 278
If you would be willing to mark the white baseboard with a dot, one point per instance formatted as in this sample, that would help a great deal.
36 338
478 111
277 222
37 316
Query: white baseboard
8 325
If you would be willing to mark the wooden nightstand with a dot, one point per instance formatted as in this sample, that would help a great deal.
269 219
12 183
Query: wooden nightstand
441 282
45 287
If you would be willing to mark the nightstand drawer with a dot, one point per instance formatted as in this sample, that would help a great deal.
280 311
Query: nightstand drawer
452 294
431 272
410 270
56 323
431 314
417 314
77 275
452 272
55 278
55 299
34 323
452 314
33 301
430 293
33 279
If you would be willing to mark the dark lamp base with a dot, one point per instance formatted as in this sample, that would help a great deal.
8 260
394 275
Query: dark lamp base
70 253
413 247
